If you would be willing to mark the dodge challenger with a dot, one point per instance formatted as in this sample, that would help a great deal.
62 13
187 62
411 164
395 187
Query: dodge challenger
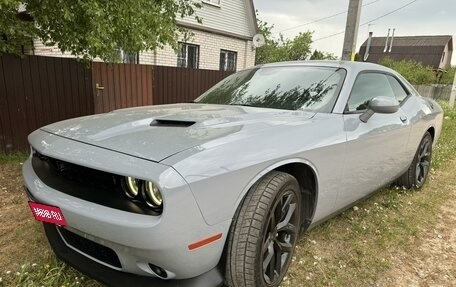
217 191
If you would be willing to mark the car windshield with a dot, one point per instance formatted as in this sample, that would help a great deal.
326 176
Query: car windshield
290 88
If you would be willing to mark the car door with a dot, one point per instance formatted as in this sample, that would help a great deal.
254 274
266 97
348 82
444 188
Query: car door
375 150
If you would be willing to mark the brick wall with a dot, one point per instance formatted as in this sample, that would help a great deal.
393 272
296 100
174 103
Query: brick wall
39 49
210 45
52 51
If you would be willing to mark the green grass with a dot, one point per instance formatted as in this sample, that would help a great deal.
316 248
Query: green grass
353 249
446 146
16 157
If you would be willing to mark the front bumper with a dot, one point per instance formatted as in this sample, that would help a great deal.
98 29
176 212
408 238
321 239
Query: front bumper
138 240
115 278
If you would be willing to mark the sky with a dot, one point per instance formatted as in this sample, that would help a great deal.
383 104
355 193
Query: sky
419 17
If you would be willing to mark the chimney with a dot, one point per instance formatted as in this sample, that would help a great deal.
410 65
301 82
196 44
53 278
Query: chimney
369 42
392 38
386 43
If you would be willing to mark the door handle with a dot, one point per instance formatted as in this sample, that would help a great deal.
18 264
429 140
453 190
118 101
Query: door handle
403 119
98 88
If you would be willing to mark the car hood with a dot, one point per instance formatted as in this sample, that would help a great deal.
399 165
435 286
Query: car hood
157 132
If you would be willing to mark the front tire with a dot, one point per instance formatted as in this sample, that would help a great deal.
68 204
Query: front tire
417 173
264 233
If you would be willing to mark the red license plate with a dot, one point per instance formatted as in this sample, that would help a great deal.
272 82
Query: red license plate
47 213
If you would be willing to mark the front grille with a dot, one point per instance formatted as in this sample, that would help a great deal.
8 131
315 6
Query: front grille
93 249
89 184
76 174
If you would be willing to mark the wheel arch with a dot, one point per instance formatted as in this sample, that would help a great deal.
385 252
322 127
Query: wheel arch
431 130
308 182
307 176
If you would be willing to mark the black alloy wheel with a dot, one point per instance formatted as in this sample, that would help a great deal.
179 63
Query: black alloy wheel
417 173
279 238
423 161
264 232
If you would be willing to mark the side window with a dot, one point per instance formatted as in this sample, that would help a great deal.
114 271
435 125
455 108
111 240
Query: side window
398 89
368 86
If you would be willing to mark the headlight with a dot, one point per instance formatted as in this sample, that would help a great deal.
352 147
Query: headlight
152 195
131 187
146 191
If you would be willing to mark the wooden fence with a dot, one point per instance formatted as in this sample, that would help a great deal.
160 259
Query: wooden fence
36 91
181 85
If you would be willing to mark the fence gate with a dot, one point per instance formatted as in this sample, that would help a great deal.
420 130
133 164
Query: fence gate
117 86
181 85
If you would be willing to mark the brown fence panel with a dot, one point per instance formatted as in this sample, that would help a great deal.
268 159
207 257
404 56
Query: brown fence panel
36 91
6 137
119 86
181 85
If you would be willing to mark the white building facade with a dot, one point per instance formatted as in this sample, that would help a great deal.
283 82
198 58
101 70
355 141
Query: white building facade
223 41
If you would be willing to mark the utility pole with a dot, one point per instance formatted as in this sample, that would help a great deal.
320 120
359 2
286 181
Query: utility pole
351 30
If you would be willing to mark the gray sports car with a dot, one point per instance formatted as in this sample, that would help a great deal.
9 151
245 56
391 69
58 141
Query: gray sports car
217 191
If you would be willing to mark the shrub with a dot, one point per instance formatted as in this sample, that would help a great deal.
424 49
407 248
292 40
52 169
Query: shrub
415 72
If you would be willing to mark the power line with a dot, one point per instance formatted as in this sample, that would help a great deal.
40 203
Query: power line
370 21
322 19
389 13
329 36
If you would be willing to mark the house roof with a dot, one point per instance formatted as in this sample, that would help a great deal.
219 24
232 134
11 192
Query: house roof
254 18
412 41
425 49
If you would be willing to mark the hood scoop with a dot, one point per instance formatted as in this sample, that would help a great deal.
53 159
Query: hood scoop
171 123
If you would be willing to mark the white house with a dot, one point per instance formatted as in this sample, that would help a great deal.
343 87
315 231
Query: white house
223 41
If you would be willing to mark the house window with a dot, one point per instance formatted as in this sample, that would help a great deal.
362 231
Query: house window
128 58
228 60
443 56
213 2
188 56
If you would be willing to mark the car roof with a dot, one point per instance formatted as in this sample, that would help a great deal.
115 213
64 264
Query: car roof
347 65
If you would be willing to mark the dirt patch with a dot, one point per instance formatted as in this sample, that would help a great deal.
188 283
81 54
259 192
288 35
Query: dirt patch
433 260
20 233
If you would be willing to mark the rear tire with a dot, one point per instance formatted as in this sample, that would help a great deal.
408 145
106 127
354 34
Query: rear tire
418 171
264 233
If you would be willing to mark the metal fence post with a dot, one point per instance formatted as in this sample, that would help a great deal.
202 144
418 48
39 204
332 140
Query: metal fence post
453 93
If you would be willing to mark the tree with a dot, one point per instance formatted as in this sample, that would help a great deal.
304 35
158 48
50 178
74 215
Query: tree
358 58
319 55
263 54
94 28
281 49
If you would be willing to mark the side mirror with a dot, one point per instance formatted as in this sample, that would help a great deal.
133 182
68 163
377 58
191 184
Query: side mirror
381 105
